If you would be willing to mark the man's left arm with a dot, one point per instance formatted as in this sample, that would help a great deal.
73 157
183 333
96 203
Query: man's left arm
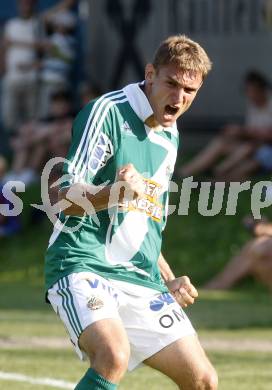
181 287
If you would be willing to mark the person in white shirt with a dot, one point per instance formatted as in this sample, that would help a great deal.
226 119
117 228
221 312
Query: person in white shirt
58 58
23 40
20 80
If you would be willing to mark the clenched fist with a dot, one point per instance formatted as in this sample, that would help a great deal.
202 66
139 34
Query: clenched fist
183 290
133 185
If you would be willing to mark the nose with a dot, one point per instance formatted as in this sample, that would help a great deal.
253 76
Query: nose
179 96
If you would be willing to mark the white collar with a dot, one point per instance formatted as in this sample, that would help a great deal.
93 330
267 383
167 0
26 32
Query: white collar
138 101
140 104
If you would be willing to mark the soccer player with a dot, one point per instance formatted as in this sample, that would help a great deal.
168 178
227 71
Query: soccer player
105 275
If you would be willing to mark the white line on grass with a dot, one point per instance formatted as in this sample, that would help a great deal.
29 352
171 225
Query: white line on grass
13 376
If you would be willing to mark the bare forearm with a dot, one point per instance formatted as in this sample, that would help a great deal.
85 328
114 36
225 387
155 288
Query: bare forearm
86 198
181 287
269 230
13 42
263 229
165 269
263 134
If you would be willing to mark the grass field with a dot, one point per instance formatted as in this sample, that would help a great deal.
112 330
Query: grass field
34 343
235 326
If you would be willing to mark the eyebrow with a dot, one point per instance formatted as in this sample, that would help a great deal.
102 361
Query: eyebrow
169 78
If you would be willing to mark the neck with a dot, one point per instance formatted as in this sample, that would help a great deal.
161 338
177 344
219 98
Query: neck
153 124
150 121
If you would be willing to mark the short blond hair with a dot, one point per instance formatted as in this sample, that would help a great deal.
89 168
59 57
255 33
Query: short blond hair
187 54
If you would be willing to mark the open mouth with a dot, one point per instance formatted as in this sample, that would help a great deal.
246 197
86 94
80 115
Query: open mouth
171 110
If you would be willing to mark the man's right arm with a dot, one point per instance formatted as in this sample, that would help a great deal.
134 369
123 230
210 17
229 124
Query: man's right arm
87 198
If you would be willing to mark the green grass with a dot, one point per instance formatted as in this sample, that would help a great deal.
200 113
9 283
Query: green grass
194 245
213 311
209 316
244 371
199 245
232 310
239 370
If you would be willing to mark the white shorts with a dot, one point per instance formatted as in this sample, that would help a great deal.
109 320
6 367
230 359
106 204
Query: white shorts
152 319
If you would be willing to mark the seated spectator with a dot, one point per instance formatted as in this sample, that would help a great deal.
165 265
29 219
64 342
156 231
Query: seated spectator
254 260
8 225
244 148
87 92
21 39
38 216
39 140
58 57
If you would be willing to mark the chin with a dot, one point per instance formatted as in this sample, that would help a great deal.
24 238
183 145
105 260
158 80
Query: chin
167 123
163 122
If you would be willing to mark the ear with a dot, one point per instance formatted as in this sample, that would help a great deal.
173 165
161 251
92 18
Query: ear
150 73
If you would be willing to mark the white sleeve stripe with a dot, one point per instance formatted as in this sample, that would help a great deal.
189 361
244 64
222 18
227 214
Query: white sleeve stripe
85 132
96 135
93 131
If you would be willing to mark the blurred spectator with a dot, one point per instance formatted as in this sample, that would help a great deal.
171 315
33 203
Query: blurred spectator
22 41
59 55
245 148
268 13
37 215
39 140
3 168
8 225
88 92
254 259
21 35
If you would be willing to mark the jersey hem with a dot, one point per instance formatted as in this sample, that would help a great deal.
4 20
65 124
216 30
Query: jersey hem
108 275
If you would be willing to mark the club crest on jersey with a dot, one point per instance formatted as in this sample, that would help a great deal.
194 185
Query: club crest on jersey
102 152
94 303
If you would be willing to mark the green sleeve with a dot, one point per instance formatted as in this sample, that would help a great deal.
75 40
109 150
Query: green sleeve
94 143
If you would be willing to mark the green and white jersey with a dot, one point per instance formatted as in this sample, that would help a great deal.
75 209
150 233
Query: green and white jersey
124 243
